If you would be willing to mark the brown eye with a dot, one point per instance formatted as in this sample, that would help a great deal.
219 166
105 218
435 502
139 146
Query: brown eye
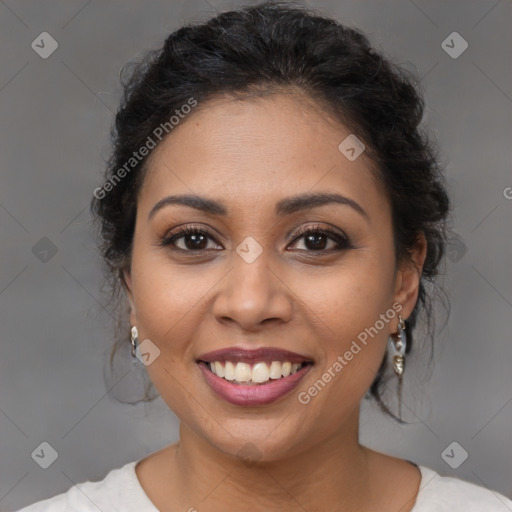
191 239
317 239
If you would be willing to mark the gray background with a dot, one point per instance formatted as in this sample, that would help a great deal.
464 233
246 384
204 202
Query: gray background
55 331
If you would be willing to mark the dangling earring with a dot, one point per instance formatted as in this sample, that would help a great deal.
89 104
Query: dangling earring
398 345
134 341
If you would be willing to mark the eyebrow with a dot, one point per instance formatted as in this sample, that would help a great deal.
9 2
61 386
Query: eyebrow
286 206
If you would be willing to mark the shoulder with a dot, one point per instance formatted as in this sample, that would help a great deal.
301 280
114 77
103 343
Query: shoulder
448 494
119 491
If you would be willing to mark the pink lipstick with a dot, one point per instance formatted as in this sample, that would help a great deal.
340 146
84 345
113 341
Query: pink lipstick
253 377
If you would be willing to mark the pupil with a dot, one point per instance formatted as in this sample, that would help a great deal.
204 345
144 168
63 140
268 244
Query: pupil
314 239
198 240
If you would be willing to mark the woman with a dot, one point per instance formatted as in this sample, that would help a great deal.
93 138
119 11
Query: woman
273 214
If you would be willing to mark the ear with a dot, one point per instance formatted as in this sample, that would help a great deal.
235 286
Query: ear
126 280
408 277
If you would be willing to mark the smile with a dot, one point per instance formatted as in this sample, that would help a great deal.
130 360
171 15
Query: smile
253 377
259 373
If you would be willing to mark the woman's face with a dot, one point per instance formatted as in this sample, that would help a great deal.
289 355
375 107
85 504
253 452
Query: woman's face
255 281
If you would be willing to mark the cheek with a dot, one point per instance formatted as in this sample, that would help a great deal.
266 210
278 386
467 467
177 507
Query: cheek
349 298
352 351
353 316
171 305
168 297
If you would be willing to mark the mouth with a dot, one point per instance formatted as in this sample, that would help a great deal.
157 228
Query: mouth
253 377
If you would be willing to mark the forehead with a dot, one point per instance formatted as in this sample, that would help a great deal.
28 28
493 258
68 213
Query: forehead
257 148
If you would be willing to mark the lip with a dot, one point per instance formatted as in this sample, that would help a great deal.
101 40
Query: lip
255 394
262 354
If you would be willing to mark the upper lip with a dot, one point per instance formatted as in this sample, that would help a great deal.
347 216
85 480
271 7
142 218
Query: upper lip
243 355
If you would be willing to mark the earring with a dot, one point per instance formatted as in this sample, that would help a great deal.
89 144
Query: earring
398 345
134 340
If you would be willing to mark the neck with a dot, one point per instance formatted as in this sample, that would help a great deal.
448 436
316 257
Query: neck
331 475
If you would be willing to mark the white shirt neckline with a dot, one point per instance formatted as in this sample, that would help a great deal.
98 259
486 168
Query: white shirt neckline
142 499
121 490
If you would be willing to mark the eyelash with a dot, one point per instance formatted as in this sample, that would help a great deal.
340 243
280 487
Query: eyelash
342 240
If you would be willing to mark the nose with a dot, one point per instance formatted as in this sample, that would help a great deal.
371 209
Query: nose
253 295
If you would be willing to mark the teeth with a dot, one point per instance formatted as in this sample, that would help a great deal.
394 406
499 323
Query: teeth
295 368
242 372
257 374
275 370
229 371
260 372
219 369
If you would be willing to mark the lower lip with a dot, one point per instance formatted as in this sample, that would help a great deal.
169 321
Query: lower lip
257 394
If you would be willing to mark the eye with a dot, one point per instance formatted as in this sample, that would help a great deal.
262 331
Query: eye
192 239
317 238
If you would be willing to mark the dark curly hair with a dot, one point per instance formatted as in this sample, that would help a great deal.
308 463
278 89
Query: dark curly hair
269 47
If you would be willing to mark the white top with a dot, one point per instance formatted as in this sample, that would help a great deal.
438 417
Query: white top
120 491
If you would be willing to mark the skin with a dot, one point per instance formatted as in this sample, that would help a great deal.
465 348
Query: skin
249 154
